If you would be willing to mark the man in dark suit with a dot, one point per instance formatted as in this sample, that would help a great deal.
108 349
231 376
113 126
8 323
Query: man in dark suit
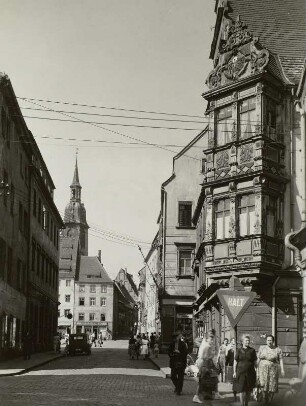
177 352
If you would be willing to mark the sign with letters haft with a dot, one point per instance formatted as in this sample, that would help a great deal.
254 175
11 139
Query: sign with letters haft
235 303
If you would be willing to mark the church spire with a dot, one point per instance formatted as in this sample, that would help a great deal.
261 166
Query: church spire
75 185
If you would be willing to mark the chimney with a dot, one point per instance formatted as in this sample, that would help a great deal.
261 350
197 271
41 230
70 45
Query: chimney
99 256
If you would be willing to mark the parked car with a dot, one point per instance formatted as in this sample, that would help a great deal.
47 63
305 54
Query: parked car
78 344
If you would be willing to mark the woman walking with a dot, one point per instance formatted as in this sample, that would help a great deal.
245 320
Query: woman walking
221 358
208 380
144 347
132 347
269 357
229 364
244 370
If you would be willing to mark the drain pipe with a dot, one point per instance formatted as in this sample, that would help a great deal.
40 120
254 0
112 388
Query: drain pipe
274 306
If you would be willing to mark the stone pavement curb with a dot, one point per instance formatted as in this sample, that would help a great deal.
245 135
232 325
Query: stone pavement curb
20 371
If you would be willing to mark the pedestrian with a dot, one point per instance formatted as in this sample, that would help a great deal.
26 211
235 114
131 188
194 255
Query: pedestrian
156 350
57 343
229 365
221 358
138 345
27 345
178 360
100 339
152 342
132 347
244 370
208 379
93 339
144 349
269 358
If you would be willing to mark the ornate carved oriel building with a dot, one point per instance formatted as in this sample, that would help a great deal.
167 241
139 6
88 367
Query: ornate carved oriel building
248 199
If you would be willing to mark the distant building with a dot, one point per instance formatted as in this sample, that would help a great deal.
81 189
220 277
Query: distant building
85 289
125 305
151 299
29 224
141 298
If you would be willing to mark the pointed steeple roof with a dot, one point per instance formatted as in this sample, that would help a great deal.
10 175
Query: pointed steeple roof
76 181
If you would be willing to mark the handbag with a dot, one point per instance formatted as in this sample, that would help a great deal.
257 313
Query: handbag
219 368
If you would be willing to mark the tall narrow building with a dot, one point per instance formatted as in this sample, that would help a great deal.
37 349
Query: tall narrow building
75 213
85 289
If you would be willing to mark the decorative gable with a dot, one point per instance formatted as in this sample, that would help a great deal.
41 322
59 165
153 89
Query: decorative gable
240 55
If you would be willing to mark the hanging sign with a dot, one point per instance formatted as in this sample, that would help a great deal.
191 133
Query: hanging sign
235 303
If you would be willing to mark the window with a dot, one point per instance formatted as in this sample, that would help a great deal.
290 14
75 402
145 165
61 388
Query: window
34 202
81 316
21 165
222 218
38 260
25 223
184 215
2 257
66 312
81 301
224 126
270 116
102 317
33 255
20 217
185 262
92 301
19 275
39 210
103 289
91 316
247 117
247 215
271 215
103 301
68 282
3 122
92 289
9 264
82 288
67 298
12 198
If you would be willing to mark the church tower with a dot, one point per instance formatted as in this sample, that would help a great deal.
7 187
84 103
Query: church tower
75 213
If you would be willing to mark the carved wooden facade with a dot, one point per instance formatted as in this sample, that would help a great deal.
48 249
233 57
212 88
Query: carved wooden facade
241 210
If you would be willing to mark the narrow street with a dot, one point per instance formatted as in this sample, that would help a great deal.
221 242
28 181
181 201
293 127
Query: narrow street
106 377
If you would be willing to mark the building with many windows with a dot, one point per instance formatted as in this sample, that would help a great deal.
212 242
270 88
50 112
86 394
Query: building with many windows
85 289
29 228
250 197
176 240
126 305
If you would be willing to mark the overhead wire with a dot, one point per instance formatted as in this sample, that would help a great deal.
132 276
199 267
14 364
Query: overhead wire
108 107
115 132
116 116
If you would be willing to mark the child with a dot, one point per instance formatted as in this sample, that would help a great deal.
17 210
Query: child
156 350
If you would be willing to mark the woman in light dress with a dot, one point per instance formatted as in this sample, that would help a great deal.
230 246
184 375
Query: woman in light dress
208 380
270 358
221 357
144 349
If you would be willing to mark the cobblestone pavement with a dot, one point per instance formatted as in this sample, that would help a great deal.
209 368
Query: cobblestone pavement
95 389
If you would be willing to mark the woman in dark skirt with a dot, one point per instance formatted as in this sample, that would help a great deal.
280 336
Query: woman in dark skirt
244 370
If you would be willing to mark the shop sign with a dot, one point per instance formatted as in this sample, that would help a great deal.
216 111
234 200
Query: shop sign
235 303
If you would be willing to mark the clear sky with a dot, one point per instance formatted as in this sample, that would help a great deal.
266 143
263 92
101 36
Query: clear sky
149 55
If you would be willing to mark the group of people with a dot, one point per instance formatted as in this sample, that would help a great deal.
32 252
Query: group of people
144 345
241 366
